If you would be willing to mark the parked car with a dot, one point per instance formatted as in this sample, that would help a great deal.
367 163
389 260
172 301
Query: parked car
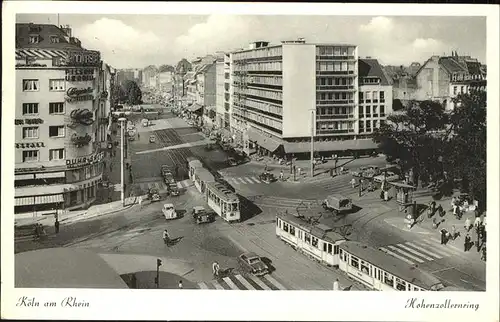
169 211
366 171
390 176
253 264
198 210
165 169
173 190
153 194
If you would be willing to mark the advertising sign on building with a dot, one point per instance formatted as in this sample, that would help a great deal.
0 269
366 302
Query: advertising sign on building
82 58
79 94
78 162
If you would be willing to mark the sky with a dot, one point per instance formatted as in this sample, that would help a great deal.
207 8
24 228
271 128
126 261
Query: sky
136 41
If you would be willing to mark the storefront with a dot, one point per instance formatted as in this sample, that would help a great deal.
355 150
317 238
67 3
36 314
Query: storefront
326 148
264 144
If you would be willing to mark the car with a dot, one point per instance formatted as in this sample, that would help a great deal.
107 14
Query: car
267 177
165 169
253 264
390 176
366 171
153 194
169 211
169 178
173 190
197 211
152 139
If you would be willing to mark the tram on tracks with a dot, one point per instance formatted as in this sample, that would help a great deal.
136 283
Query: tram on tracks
318 241
201 178
369 266
223 201
382 272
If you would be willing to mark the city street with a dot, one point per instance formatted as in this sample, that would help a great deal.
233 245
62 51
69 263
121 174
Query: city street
138 231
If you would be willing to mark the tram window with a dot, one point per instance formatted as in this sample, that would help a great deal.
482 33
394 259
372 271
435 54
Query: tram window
400 285
277 222
388 279
416 288
364 268
292 230
354 262
335 249
285 227
330 248
235 207
307 238
314 241
324 247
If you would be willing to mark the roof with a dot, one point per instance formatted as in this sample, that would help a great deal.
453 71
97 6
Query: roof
372 68
39 53
391 264
64 268
264 141
451 65
222 191
45 32
195 107
301 147
322 231
204 175
195 163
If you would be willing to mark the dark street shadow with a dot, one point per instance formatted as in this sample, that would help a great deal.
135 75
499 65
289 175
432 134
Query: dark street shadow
175 241
181 212
146 280
248 209
268 263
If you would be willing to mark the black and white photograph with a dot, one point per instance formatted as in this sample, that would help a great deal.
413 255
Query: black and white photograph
205 152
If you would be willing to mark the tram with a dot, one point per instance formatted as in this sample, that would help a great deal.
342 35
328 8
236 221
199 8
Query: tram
201 177
318 241
193 164
382 272
223 201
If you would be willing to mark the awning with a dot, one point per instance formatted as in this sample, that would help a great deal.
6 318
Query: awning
302 147
50 175
264 141
193 108
24 176
24 201
49 199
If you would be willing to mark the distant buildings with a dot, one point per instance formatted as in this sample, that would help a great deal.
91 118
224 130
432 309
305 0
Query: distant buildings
61 117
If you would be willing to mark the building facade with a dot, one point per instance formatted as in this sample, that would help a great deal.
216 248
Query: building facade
375 97
59 100
219 100
279 107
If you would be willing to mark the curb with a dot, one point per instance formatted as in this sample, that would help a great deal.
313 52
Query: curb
77 218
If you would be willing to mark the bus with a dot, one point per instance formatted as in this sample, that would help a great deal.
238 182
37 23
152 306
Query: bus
317 241
223 201
382 272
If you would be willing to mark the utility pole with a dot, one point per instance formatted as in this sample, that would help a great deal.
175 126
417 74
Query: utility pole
312 143
157 279
122 121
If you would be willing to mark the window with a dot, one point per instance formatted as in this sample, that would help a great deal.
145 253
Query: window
375 114
31 85
368 97
56 131
56 154
388 279
454 90
335 249
400 285
368 126
360 111
330 248
292 230
382 97
285 227
314 241
354 262
56 108
30 132
54 39
382 110
278 223
34 39
361 97
30 108
307 238
365 268
461 89
30 156
361 126
56 85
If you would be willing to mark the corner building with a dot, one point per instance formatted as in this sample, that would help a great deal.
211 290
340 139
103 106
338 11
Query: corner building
58 163
284 93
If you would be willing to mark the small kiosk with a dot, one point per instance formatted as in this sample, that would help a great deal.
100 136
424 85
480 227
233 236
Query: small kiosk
404 194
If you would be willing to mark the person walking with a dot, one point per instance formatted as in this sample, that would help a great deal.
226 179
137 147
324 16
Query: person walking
138 135
180 285
336 286
483 254
477 222
56 226
443 236
215 269
139 200
386 195
466 242
281 175
353 183
467 224
453 232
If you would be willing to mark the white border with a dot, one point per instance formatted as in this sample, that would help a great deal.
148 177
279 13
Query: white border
219 305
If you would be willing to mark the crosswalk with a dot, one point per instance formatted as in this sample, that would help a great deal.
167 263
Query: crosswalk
247 282
420 251
145 186
243 180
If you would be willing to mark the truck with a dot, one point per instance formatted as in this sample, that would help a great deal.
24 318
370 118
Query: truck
337 204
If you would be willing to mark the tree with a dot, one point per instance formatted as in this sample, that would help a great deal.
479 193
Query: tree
130 93
413 138
166 68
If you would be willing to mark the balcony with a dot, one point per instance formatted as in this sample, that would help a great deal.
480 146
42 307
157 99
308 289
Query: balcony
334 116
334 57
335 87
333 131
331 72
336 102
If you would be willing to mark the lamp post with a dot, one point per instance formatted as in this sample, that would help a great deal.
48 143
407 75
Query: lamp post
312 142
122 121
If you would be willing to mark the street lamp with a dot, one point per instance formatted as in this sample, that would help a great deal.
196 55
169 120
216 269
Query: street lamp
122 121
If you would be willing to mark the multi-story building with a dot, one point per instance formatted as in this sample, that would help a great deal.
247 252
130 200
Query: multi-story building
219 100
206 91
375 97
443 78
58 103
286 93
149 76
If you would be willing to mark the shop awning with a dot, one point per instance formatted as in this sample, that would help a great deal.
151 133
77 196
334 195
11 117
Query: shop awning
24 201
24 176
264 141
49 199
302 147
50 175
193 108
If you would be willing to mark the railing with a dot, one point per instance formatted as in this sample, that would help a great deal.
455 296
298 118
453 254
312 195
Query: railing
332 102
334 87
334 116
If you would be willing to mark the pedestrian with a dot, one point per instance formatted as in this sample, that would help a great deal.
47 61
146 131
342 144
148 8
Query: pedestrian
440 211
56 225
180 285
215 269
443 236
138 135
477 222
382 195
353 183
467 224
453 232
127 165
281 175
140 201
265 167
362 184
483 254
386 195
466 242
336 286
299 170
